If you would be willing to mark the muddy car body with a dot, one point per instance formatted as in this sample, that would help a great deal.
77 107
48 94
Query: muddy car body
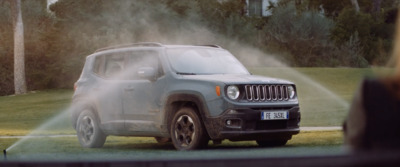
188 94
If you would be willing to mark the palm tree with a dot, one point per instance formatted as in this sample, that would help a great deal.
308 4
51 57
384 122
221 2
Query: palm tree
19 48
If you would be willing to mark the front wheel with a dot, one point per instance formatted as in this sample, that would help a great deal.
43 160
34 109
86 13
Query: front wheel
187 131
88 130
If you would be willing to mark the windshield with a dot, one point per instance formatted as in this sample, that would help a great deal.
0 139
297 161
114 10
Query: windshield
204 61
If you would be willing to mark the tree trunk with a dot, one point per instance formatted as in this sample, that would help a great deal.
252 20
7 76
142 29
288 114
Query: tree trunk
376 9
376 6
19 48
355 4
396 49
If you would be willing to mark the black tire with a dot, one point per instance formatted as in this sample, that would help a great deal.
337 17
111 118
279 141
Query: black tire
271 143
187 131
162 140
88 130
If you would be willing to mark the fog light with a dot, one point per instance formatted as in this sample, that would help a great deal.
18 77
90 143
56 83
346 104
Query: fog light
233 123
232 112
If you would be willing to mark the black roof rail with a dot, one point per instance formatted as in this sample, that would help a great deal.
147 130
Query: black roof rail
140 44
211 45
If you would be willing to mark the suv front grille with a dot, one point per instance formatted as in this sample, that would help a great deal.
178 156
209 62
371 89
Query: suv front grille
260 93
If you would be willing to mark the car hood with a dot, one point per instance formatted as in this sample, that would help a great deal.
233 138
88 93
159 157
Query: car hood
237 79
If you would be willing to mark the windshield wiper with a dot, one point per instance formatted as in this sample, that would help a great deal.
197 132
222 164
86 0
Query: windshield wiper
185 73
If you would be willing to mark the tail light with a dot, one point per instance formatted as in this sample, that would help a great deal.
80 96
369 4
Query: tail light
75 87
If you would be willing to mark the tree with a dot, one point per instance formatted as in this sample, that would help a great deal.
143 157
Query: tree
19 48
304 34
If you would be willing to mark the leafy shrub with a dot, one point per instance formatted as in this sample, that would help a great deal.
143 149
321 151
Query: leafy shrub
304 34
373 33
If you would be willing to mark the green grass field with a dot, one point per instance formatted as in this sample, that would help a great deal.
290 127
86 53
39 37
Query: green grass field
21 114
145 148
324 94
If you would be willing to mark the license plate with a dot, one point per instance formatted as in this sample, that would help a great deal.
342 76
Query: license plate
275 115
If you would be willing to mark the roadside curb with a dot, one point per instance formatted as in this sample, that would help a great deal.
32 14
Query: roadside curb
330 128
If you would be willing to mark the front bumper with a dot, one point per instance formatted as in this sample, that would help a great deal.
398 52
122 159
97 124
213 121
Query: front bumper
246 124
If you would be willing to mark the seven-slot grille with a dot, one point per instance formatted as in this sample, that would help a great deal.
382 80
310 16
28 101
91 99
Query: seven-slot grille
267 92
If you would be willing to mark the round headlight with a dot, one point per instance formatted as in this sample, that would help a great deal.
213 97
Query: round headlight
291 92
232 92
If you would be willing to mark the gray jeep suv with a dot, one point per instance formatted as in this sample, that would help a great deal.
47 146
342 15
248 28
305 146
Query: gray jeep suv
180 93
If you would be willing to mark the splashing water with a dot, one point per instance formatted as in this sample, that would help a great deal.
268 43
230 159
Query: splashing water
318 86
46 129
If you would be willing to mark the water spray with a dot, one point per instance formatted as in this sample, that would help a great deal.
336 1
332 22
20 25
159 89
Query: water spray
5 155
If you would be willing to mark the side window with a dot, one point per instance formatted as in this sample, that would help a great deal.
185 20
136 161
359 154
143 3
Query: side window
114 66
139 59
99 65
124 66
109 66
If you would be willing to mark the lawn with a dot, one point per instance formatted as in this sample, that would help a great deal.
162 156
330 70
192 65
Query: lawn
21 114
145 148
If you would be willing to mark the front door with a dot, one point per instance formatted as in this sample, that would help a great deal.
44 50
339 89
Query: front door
141 96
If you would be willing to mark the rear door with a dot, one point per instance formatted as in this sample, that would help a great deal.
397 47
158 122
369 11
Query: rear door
107 92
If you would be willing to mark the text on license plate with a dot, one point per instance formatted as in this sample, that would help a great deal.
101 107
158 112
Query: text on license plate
274 115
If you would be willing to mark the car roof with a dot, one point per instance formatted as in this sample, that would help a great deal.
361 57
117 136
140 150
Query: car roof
151 44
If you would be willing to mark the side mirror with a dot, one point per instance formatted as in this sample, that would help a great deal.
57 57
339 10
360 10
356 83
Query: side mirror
147 73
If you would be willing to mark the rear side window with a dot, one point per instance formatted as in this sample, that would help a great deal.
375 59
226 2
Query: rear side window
114 66
109 66
99 65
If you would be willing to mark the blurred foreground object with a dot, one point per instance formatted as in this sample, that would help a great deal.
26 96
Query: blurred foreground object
372 123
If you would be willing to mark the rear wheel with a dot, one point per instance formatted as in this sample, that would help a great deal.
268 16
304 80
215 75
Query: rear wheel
88 130
271 143
187 131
